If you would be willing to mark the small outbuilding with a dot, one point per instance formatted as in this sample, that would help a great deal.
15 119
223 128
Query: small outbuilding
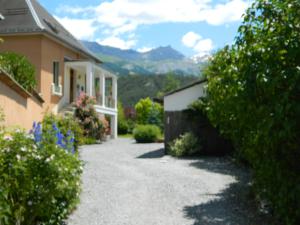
178 119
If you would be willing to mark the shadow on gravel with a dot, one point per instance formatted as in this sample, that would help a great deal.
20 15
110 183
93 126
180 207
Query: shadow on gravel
153 154
233 206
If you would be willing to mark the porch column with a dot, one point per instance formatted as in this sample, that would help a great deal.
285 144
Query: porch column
89 79
102 88
114 126
115 91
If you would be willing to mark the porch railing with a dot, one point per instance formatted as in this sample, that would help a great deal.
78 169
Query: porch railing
109 102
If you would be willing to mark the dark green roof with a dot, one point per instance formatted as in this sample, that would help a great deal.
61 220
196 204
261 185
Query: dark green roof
28 16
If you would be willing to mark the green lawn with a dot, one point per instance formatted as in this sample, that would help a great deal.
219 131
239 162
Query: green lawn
125 136
161 137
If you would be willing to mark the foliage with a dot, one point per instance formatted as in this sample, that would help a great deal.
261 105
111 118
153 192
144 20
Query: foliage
66 125
146 133
123 127
132 88
89 141
19 68
253 97
131 125
186 145
105 126
39 180
148 112
88 118
122 123
171 84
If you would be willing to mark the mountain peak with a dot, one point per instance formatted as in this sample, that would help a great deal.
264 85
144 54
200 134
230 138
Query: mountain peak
163 53
161 60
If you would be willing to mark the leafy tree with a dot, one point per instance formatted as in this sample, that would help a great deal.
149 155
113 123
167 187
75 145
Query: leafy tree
122 123
19 68
148 112
171 83
121 115
132 88
253 97
143 108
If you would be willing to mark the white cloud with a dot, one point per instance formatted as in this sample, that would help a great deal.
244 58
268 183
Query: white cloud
124 29
73 9
204 47
80 28
190 39
117 42
122 16
229 12
144 49
197 43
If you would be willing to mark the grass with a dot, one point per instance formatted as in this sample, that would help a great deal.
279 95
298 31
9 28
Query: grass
160 138
125 135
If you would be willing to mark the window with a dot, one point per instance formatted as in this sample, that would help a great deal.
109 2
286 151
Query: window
56 73
56 87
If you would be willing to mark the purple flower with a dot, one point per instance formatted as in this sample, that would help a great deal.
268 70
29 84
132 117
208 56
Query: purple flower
37 132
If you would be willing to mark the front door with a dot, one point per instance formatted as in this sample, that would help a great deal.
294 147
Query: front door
71 86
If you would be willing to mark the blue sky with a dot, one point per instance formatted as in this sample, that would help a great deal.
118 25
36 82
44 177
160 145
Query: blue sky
194 27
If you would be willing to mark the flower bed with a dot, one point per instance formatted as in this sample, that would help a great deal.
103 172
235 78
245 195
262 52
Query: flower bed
39 176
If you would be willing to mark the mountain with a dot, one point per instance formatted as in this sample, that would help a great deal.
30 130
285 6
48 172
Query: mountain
160 60
200 59
132 88
162 53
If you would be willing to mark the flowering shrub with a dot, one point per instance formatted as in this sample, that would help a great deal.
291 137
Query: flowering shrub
186 144
105 124
54 135
253 98
67 126
87 116
39 177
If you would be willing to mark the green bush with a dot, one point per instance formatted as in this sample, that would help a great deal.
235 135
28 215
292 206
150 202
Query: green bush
19 68
253 97
122 123
186 145
65 124
89 141
123 127
88 118
39 182
146 133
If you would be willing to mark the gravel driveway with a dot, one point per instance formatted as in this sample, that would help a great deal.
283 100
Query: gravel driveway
134 184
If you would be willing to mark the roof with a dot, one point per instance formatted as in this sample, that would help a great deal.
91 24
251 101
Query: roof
187 86
28 16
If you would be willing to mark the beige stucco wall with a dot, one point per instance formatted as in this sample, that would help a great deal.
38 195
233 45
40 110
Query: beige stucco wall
52 51
28 45
42 51
19 111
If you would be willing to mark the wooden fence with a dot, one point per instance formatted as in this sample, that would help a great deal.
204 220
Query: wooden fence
179 122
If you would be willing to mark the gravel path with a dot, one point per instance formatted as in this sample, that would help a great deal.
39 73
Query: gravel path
134 184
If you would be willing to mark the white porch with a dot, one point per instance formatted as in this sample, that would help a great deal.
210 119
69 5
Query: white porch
85 76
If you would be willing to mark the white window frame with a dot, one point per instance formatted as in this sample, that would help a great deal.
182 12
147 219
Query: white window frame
56 87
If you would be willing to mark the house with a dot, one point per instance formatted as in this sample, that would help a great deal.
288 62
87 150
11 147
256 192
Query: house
178 119
64 67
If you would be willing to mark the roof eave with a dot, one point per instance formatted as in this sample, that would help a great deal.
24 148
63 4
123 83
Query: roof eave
186 87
